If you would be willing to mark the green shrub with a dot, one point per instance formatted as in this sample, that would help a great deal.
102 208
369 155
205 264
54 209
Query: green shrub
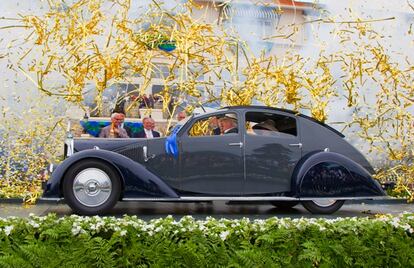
385 241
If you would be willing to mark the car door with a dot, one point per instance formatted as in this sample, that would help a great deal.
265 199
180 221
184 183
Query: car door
211 162
272 149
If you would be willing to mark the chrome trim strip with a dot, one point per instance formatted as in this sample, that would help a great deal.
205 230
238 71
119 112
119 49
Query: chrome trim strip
345 198
250 198
238 198
235 198
160 199
57 199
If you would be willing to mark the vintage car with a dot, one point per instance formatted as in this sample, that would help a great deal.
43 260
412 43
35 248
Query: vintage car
270 155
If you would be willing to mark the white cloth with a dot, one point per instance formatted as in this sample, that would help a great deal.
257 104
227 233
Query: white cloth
148 133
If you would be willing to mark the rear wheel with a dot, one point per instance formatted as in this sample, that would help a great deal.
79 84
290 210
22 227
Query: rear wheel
327 206
91 187
284 204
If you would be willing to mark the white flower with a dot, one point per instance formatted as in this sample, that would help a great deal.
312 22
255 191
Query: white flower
8 229
33 224
395 222
123 233
223 235
76 230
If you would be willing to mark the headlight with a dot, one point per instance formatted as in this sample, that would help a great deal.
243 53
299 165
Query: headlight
51 167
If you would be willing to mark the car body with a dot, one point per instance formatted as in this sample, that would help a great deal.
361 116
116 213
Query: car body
299 160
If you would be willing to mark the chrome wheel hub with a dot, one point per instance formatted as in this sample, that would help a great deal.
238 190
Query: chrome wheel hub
324 202
92 187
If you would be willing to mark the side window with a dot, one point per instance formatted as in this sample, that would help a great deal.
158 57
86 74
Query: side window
200 128
270 124
220 124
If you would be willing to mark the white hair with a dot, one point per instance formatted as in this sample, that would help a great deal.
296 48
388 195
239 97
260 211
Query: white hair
148 118
113 115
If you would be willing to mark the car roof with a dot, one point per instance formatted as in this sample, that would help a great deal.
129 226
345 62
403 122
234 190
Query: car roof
247 107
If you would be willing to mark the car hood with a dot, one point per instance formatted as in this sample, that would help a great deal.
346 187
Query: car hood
108 144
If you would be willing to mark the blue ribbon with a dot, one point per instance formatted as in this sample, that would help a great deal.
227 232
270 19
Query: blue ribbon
171 144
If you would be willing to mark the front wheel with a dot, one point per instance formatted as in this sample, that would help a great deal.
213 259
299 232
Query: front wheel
328 206
91 187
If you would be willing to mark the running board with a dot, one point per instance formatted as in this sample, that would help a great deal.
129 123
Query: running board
231 198
248 198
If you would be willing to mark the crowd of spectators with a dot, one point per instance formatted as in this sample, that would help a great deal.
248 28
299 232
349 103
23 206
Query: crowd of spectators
142 101
149 101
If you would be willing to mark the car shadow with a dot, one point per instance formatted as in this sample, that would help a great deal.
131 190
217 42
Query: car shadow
201 210
217 209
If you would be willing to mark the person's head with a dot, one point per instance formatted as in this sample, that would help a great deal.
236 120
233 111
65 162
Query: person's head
268 124
123 118
117 119
181 115
213 122
148 123
229 121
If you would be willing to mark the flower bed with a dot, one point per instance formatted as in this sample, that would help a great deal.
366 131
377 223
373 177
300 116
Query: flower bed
386 241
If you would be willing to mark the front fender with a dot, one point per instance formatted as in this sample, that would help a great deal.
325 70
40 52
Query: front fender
328 174
137 180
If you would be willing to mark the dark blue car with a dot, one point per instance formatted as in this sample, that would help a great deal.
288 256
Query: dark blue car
244 153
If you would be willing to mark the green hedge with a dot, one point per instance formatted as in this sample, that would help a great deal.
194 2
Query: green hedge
386 241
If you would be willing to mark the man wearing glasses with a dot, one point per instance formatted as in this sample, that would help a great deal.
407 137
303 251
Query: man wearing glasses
114 130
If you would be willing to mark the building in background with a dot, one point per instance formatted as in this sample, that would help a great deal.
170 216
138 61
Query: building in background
275 26
270 26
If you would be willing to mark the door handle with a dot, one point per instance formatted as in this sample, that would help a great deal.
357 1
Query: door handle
240 144
299 145
146 157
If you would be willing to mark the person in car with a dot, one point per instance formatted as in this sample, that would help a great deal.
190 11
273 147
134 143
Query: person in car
268 124
181 116
266 128
114 130
228 124
148 131
213 125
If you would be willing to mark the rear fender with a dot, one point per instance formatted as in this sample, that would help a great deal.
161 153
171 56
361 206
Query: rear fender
329 174
136 179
